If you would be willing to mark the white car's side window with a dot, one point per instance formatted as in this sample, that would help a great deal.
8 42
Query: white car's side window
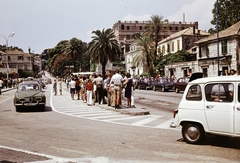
219 92
194 93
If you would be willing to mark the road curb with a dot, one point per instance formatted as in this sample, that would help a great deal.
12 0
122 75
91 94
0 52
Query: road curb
8 89
124 110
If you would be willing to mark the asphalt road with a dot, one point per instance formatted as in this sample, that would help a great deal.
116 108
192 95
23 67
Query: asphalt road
76 134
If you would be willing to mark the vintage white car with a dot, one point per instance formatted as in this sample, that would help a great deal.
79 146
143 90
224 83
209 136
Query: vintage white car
209 106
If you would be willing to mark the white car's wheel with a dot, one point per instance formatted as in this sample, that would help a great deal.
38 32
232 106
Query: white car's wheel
193 133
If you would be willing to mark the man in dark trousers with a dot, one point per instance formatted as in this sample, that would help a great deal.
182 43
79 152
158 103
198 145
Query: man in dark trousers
99 83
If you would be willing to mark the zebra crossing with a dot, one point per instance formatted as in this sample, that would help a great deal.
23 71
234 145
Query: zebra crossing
77 108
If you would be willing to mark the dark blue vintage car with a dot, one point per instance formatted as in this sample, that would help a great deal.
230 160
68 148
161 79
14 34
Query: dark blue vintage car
145 83
162 84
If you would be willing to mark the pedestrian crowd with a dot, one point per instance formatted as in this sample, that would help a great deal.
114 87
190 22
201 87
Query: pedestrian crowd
10 83
109 89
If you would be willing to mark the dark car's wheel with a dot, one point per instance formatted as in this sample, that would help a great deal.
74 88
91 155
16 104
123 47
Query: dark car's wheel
154 88
163 89
193 133
41 108
177 90
18 108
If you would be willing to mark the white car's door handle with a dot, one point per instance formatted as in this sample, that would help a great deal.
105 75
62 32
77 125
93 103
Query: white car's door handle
238 108
210 106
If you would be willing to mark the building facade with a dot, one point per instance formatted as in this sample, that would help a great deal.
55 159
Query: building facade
181 41
216 55
16 60
124 31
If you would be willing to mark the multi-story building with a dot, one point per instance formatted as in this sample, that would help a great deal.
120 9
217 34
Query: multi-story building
16 60
215 55
182 40
124 31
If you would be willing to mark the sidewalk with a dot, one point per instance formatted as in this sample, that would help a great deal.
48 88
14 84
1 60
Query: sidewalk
7 89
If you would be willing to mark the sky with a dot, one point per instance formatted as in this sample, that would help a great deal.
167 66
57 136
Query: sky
42 24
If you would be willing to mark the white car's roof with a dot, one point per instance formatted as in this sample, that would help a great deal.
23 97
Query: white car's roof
217 79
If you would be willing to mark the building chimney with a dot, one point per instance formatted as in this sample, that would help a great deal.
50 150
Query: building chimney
183 17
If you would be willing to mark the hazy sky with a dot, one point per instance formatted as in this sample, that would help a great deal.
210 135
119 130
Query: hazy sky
41 24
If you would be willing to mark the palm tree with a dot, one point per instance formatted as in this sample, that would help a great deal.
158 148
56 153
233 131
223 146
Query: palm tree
144 55
104 47
154 29
75 48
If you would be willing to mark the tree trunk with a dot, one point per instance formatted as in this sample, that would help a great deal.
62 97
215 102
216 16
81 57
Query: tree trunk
104 69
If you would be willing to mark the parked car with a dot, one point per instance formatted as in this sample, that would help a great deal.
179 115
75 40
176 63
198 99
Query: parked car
209 106
135 82
181 84
47 81
162 84
29 93
42 84
145 83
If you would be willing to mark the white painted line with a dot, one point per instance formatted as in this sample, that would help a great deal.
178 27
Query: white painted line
146 120
165 124
95 114
6 100
110 116
122 118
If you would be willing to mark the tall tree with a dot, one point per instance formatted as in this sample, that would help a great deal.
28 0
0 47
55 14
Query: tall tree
155 29
104 47
228 14
144 55
75 48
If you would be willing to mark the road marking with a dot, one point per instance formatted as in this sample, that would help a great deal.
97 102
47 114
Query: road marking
16 140
146 120
6 100
75 108
69 150
166 124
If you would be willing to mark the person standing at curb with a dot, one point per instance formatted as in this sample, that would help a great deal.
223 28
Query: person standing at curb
55 87
72 86
109 91
89 88
128 89
99 83
1 85
60 86
78 88
117 80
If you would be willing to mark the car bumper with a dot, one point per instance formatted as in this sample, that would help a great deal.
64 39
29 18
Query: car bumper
30 104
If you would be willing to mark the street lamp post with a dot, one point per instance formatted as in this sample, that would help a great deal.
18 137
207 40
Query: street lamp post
11 35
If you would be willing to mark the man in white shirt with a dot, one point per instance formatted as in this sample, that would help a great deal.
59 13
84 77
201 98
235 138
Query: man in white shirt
99 83
117 79
72 86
